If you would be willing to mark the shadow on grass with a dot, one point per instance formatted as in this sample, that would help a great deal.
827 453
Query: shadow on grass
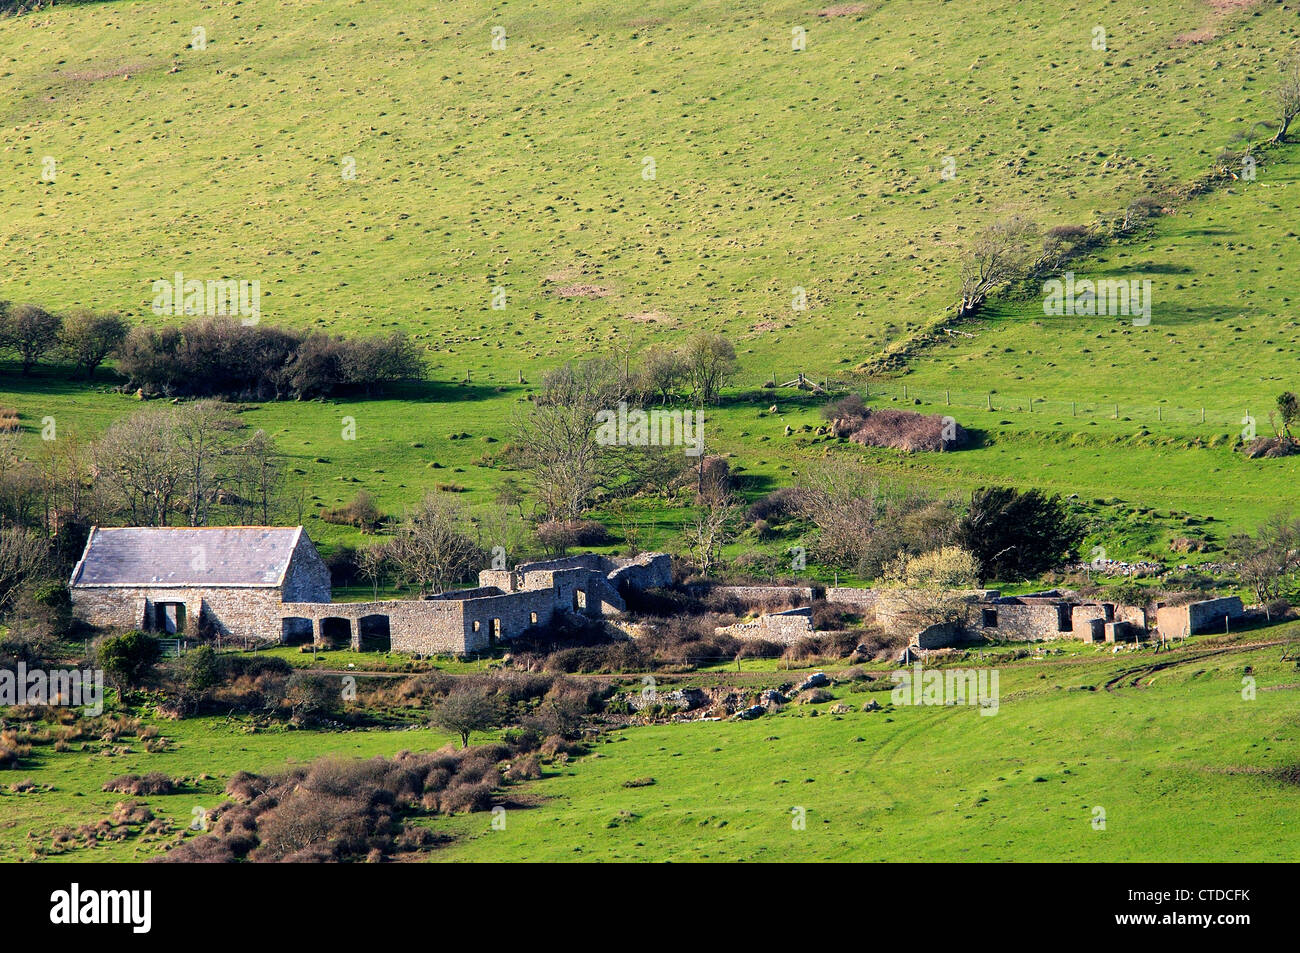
45 380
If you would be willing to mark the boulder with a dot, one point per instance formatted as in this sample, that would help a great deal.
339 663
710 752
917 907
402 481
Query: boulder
753 711
814 696
872 705
815 680
772 699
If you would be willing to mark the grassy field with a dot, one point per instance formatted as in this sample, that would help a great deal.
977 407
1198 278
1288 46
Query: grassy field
946 783
1076 729
204 752
522 168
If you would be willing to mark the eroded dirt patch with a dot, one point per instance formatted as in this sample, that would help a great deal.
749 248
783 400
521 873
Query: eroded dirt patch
101 71
581 290
651 317
844 10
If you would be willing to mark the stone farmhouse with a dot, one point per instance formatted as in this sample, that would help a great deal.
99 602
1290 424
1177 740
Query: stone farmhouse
268 584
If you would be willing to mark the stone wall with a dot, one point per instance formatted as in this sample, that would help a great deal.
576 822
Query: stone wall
505 605
1015 621
1195 617
308 578
243 612
859 600
1082 618
785 628
1135 616
759 596
941 635
1120 632
423 626
647 571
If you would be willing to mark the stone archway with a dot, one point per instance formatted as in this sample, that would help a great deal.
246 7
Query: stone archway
373 633
336 632
296 630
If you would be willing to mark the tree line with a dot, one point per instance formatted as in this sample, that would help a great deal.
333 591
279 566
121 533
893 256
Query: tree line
208 357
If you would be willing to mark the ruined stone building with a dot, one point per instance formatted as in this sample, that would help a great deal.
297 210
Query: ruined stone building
268 584
990 616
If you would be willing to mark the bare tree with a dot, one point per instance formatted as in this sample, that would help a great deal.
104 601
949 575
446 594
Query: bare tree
1268 561
662 372
137 464
845 502
1288 96
556 439
999 254
431 550
714 521
24 556
20 495
709 362
202 432
503 535
371 564
69 498
260 478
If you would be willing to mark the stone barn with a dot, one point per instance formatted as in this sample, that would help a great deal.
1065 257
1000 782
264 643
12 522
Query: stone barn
269 584
169 579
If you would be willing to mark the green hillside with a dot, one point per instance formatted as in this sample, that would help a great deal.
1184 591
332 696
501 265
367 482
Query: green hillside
524 168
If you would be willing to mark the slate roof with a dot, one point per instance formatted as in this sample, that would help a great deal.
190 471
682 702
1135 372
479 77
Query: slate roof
186 556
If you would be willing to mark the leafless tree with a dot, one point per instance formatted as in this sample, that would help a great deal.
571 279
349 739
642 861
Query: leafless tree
260 478
19 483
1288 96
1268 561
70 500
709 362
202 431
1001 253
556 440
431 550
661 373
137 463
371 564
862 523
502 533
1139 211
24 556
844 502
713 524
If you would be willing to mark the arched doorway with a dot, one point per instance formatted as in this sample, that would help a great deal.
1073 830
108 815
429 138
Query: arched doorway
295 630
336 632
373 633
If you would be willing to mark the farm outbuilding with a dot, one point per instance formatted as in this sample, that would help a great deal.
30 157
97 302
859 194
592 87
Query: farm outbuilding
268 584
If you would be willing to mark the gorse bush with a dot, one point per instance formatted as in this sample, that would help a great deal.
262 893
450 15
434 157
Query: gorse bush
345 810
155 782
